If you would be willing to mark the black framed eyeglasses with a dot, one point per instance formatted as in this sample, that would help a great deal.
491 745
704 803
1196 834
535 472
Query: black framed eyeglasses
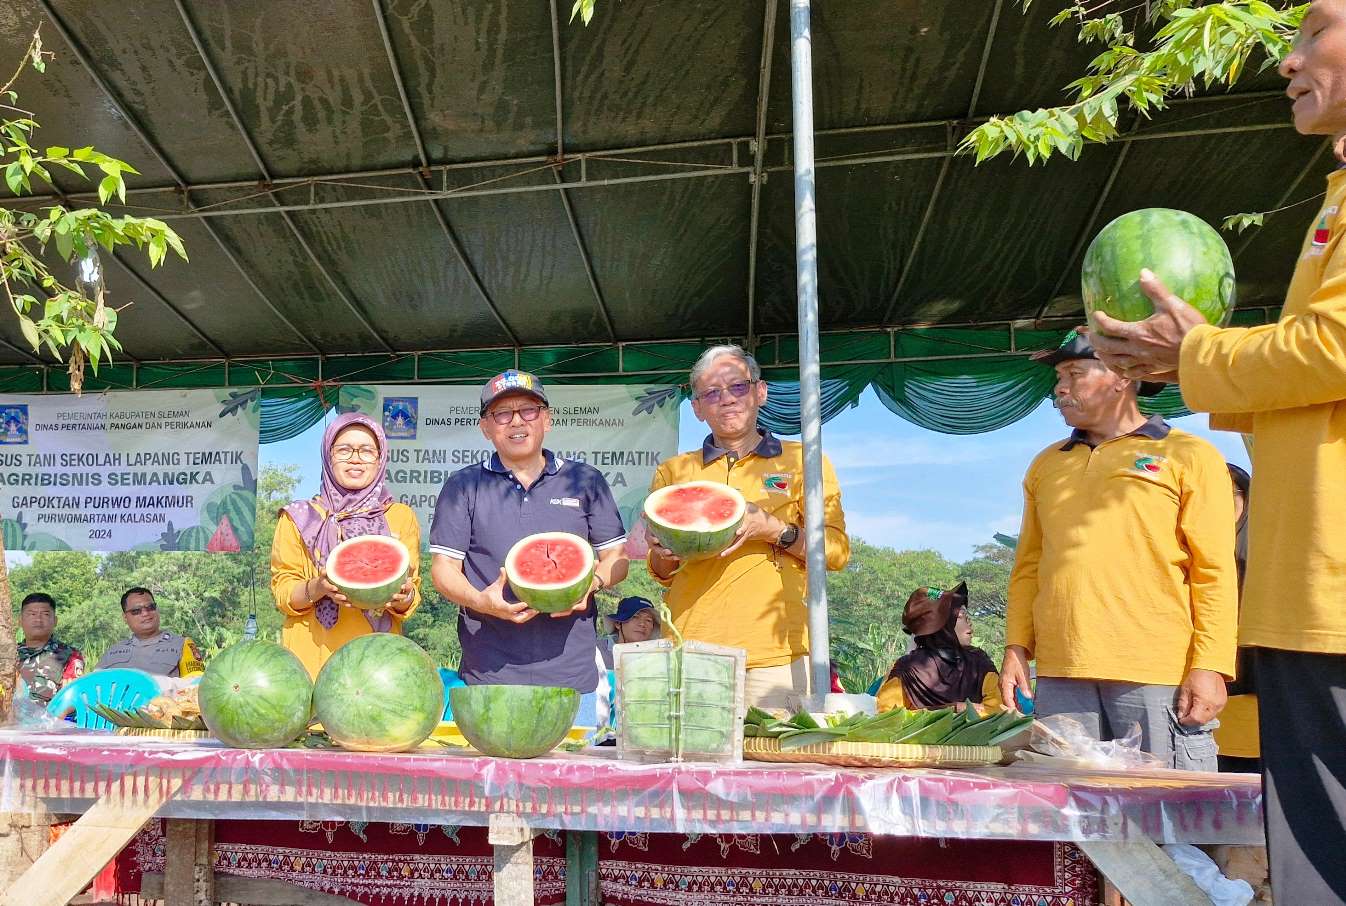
137 611
505 416
739 389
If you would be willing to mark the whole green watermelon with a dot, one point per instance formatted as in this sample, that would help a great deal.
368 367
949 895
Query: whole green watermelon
256 695
379 693
514 721
1182 249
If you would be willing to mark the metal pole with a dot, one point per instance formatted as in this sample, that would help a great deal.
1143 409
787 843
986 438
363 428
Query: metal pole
810 393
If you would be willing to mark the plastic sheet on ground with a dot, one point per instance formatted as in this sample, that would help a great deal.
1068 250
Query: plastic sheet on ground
595 792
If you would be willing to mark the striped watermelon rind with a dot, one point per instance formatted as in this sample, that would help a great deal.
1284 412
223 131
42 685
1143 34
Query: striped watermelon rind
369 595
690 543
379 693
551 597
256 695
1183 250
514 721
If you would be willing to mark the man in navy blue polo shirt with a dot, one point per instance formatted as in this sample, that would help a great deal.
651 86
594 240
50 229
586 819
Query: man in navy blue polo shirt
485 508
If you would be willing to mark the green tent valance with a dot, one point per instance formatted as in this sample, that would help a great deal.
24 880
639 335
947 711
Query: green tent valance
955 380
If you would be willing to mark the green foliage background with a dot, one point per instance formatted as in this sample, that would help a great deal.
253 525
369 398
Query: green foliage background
209 596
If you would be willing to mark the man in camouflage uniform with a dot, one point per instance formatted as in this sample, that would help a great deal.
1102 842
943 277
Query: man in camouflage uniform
149 648
45 663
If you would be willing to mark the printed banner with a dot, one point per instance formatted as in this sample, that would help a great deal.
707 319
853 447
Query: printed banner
172 470
623 430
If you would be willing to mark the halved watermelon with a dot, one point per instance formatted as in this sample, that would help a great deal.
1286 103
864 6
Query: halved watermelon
514 721
369 569
550 571
695 519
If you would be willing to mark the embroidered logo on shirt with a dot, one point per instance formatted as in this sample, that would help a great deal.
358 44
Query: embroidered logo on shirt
1150 465
1322 232
565 501
777 482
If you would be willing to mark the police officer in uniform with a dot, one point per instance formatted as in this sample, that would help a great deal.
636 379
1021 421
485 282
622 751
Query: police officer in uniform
149 648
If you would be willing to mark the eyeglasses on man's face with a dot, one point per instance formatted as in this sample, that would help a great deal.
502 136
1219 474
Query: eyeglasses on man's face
739 389
345 453
137 611
505 416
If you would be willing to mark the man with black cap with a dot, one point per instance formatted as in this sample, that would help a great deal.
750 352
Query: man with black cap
1124 585
485 508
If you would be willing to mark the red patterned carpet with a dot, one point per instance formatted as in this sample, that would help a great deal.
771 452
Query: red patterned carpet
431 865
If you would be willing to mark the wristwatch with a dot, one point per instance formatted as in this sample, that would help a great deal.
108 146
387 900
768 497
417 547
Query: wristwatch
788 537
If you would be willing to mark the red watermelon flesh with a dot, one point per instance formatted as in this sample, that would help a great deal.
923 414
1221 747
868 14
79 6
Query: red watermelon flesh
550 571
367 563
224 540
369 569
547 561
695 519
690 505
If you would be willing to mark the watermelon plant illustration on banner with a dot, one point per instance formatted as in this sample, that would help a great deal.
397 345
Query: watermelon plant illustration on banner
143 470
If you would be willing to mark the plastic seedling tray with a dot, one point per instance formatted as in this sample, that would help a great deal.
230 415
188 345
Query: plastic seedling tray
679 703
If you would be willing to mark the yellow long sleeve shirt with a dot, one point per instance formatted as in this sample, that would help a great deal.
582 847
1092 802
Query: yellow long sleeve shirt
1285 383
753 599
1124 568
292 564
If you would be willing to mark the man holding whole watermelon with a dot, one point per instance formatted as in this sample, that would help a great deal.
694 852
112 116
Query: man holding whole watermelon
1285 384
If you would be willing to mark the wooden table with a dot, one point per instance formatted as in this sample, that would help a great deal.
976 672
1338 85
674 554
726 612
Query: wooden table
116 784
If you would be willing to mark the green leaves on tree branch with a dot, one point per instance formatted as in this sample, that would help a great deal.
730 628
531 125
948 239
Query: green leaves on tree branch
72 323
1151 53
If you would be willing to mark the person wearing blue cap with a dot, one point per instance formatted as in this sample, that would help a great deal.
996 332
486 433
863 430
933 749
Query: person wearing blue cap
522 489
634 621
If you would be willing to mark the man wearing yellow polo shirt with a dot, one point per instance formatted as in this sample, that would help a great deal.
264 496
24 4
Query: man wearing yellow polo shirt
752 596
1285 383
1124 585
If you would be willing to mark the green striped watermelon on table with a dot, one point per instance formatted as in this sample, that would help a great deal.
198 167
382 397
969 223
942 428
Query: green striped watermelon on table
1183 250
379 693
256 695
514 721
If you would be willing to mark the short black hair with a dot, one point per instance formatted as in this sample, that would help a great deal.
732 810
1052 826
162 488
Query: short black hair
39 597
136 590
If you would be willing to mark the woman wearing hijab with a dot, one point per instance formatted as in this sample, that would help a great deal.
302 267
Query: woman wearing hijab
944 669
353 501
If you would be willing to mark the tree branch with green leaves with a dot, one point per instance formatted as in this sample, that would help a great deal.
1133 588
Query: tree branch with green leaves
72 322
1151 53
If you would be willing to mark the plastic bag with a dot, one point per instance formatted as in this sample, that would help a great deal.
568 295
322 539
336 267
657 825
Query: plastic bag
1060 737
32 714
1199 867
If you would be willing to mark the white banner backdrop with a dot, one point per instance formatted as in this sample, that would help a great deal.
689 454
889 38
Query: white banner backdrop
143 470
623 430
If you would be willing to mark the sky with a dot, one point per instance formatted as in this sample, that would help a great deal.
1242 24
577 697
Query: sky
902 486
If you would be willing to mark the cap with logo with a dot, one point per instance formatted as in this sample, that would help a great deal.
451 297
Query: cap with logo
512 382
1075 346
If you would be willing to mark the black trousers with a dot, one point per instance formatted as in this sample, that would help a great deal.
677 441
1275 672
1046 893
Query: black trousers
1302 703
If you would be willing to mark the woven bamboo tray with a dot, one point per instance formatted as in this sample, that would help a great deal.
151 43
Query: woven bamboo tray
163 734
873 754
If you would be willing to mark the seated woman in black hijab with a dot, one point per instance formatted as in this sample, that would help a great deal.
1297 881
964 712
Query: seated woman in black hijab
944 669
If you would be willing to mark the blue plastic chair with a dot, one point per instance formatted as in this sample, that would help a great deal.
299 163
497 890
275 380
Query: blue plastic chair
451 679
117 688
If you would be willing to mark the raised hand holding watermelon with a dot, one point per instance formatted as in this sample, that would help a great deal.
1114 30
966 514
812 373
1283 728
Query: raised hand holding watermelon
1150 349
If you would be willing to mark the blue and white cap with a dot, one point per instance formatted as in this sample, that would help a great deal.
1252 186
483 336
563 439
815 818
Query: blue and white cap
512 382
